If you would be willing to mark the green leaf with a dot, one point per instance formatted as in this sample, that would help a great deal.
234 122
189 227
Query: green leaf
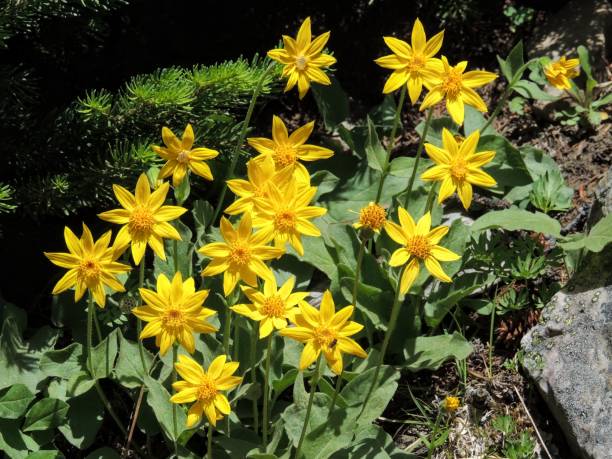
513 62
129 370
383 115
103 356
13 442
434 133
332 102
376 154
85 415
515 219
15 401
325 182
402 166
185 250
63 362
46 454
372 442
429 352
103 453
181 192
508 167
474 120
603 101
79 383
531 90
158 399
549 192
585 61
599 236
45 414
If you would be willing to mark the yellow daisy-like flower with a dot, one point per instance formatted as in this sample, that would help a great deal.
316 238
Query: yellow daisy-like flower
287 150
325 331
458 166
371 217
303 59
259 173
174 313
91 265
408 62
273 307
451 403
241 256
144 218
182 157
559 73
284 215
204 387
457 86
420 244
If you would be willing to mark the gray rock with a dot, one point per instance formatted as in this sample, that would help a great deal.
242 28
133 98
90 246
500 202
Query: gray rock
602 204
568 356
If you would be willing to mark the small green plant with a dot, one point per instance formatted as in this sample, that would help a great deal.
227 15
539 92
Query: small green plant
6 198
549 193
514 445
518 15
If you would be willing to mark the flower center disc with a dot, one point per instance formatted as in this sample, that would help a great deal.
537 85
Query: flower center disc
240 254
183 157
459 169
284 155
88 271
324 337
416 63
452 83
173 319
419 247
300 62
372 216
284 220
207 391
141 221
273 307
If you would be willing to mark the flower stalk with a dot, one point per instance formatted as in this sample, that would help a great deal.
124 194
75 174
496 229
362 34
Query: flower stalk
313 388
417 158
266 394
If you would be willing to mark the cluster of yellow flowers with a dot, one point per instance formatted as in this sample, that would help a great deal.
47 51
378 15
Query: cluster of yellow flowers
275 210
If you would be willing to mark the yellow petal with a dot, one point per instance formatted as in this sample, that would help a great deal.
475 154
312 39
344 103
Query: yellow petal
408 276
399 47
434 44
65 260
436 270
188 137
304 36
424 224
464 191
309 355
143 190
418 37
327 308
436 173
480 178
470 97
66 281
125 198
468 146
406 221
167 213
118 216
201 169
480 159
222 404
390 62
443 254
396 232
446 189
318 44
399 257
415 86
435 95
477 78
395 81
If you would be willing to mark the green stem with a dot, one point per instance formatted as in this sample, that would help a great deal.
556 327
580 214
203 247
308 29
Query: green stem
226 350
176 258
391 144
354 303
313 388
174 414
240 141
266 394
209 445
491 326
141 276
417 158
98 330
433 436
254 378
430 197
390 327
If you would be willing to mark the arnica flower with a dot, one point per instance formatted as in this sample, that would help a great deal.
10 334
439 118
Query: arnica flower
420 244
371 217
458 166
284 215
409 62
450 403
559 73
457 86
287 150
205 387
241 256
174 313
91 265
273 307
325 331
181 157
302 59
259 174
144 218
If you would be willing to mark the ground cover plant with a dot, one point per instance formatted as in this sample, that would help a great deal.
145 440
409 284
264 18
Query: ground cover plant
274 318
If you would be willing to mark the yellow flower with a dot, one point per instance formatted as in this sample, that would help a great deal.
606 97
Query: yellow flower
241 256
371 217
273 307
451 403
457 87
259 173
91 265
560 73
458 166
420 243
204 388
180 156
408 62
285 215
144 218
302 59
174 313
326 331
287 149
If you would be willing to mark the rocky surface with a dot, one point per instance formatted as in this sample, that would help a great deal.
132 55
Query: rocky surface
568 355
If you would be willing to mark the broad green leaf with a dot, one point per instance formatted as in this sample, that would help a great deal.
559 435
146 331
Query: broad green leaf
46 454
332 102
158 399
603 101
599 236
508 167
434 133
129 369
383 115
376 154
181 192
372 301
517 219
103 356
13 442
549 192
585 61
84 419
242 442
531 90
202 212
63 362
103 453
372 442
185 249
512 63
79 383
474 120
429 352
15 401
538 162
325 182
45 414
